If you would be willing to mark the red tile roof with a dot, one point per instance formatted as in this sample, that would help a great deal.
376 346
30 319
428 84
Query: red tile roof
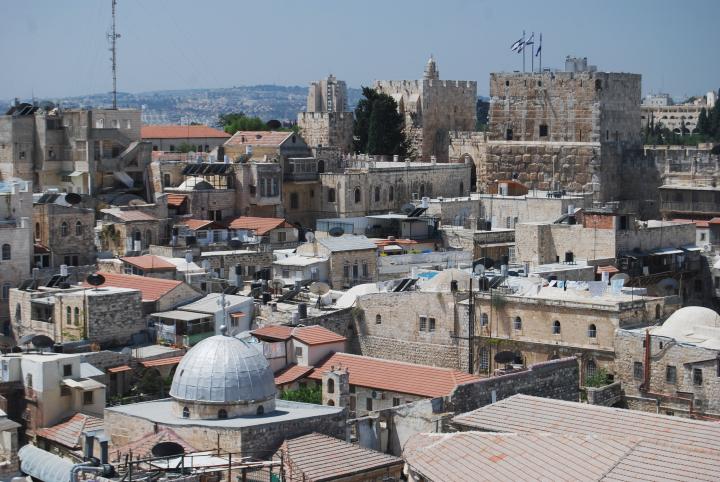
261 226
152 288
142 447
159 362
69 432
273 332
421 380
176 200
317 457
701 223
195 224
149 262
181 132
607 269
258 138
119 369
316 335
291 373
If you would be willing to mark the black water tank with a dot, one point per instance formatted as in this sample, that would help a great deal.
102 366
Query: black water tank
302 310
266 298
58 347
569 257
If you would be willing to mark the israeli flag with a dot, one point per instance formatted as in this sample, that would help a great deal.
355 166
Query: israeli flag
517 45
530 40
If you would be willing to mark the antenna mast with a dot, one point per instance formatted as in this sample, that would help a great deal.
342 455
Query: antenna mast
113 36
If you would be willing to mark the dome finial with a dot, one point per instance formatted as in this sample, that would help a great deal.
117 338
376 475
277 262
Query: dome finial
223 330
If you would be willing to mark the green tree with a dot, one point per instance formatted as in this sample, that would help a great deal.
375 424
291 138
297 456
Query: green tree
714 120
703 124
378 126
306 394
238 121
599 379
185 147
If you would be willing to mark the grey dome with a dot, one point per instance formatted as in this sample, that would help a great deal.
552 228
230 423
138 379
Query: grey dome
223 370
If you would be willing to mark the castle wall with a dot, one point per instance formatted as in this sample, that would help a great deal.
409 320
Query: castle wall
327 129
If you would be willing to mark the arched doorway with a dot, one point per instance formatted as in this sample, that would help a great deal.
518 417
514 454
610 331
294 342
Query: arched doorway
473 171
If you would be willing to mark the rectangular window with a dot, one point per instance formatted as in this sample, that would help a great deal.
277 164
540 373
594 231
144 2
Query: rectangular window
346 271
365 271
431 324
67 370
286 273
298 351
352 388
281 236
543 130
697 376
671 374
368 403
484 359
638 370
396 401
64 391
87 398
423 323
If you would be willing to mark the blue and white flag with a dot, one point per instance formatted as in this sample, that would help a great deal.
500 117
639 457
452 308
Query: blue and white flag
517 45
537 52
530 40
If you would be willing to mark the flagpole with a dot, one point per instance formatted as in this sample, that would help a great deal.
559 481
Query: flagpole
523 49
532 53
541 52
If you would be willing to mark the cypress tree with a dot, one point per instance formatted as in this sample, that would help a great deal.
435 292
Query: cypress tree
378 126
703 125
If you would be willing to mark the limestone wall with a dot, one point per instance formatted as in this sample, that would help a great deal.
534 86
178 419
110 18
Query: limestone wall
327 129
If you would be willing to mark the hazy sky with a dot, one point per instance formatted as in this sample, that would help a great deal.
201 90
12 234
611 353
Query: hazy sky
58 48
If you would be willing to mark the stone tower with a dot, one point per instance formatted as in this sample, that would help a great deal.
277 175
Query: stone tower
336 387
432 108
327 121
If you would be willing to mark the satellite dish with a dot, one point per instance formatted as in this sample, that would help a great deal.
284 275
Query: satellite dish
620 276
309 236
27 339
504 357
73 198
167 449
277 284
95 279
408 208
336 232
319 288
42 341
479 269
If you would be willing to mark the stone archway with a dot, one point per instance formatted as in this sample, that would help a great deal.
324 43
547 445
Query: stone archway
468 159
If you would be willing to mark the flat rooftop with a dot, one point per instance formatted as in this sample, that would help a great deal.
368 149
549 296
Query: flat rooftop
160 411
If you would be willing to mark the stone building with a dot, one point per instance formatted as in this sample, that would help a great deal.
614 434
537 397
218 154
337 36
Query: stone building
352 259
576 130
66 231
16 252
431 108
110 316
172 137
672 368
223 397
73 150
130 231
327 120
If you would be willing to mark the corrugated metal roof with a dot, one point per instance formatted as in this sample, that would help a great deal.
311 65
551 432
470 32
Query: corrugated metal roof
346 242
526 414
320 457
378 374
542 456
181 132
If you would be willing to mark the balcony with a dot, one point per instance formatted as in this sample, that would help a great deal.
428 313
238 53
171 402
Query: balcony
301 170
710 208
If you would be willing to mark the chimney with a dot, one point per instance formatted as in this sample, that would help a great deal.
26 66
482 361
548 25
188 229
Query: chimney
89 442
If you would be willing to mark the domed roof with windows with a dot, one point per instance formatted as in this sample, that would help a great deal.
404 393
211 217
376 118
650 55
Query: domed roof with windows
223 377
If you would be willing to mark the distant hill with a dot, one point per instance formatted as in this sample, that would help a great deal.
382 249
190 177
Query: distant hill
204 105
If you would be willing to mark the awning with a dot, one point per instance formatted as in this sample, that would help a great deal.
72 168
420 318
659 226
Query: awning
120 369
665 251
162 362
84 384
691 247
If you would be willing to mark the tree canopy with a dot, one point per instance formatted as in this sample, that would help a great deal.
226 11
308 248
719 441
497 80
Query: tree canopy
378 128
238 121
706 130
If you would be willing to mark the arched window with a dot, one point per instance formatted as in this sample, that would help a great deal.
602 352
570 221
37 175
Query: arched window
331 403
260 410
658 312
148 239
592 331
294 200
358 195
556 327
64 229
517 323
78 228
222 413
186 412
37 230
68 315
331 195
77 316
377 193
391 194
331 386
6 252
378 319
484 319
590 369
